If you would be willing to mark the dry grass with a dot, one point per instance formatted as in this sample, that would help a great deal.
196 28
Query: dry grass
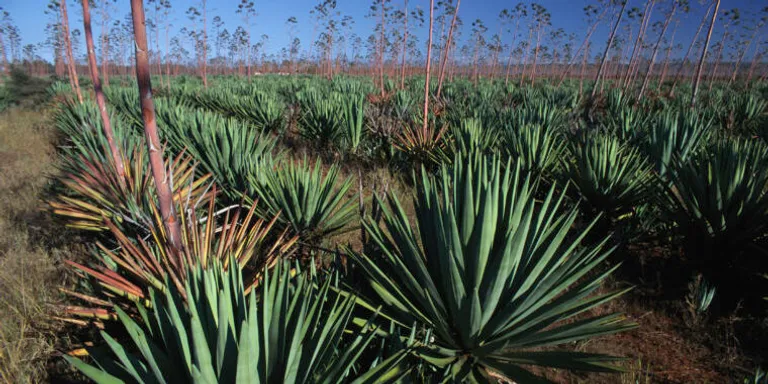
29 275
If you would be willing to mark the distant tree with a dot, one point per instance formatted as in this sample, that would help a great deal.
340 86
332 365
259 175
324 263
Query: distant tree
690 49
426 69
478 37
5 26
327 18
106 8
166 7
200 36
380 10
239 47
634 62
759 51
611 37
454 11
729 18
294 42
700 67
670 46
154 25
518 13
218 28
755 28
71 65
593 18
683 4
542 17
248 11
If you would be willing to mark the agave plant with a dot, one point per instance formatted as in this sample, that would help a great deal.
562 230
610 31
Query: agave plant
612 178
470 136
535 111
354 117
494 275
422 145
310 205
264 111
718 198
229 149
322 122
130 272
95 193
210 331
537 148
622 119
744 113
676 135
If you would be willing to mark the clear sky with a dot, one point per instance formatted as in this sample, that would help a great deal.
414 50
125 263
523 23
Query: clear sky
567 14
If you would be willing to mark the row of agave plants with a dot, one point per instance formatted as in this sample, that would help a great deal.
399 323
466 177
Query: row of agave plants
520 195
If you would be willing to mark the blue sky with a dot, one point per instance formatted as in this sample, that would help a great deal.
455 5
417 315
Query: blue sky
567 14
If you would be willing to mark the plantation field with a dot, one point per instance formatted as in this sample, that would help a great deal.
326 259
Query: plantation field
329 235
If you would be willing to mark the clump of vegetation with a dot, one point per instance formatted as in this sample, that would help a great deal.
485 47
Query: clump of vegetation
25 90
478 219
29 269
489 273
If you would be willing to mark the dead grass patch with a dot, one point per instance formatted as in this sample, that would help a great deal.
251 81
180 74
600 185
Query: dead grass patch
29 271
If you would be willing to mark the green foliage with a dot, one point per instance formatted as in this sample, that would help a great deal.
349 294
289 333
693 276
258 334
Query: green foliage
93 192
210 331
231 150
471 136
622 119
744 113
612 178
492 273
6 99
719 196
535 147
322 118
27 90
675 136
354 119
140 263
264 111
310 205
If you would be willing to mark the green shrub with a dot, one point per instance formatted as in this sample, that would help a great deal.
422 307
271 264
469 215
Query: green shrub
612 178
492 275
310 205
211 331
719 198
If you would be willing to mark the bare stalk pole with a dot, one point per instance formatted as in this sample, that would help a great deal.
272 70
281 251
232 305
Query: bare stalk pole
744 52
575 57
535 54
68 43
700 67
100 100
105 42
162 179
429 61
608 48
648 73
4 63
405 46
636 49
511 50
669 53
205 49
688 52
446 49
